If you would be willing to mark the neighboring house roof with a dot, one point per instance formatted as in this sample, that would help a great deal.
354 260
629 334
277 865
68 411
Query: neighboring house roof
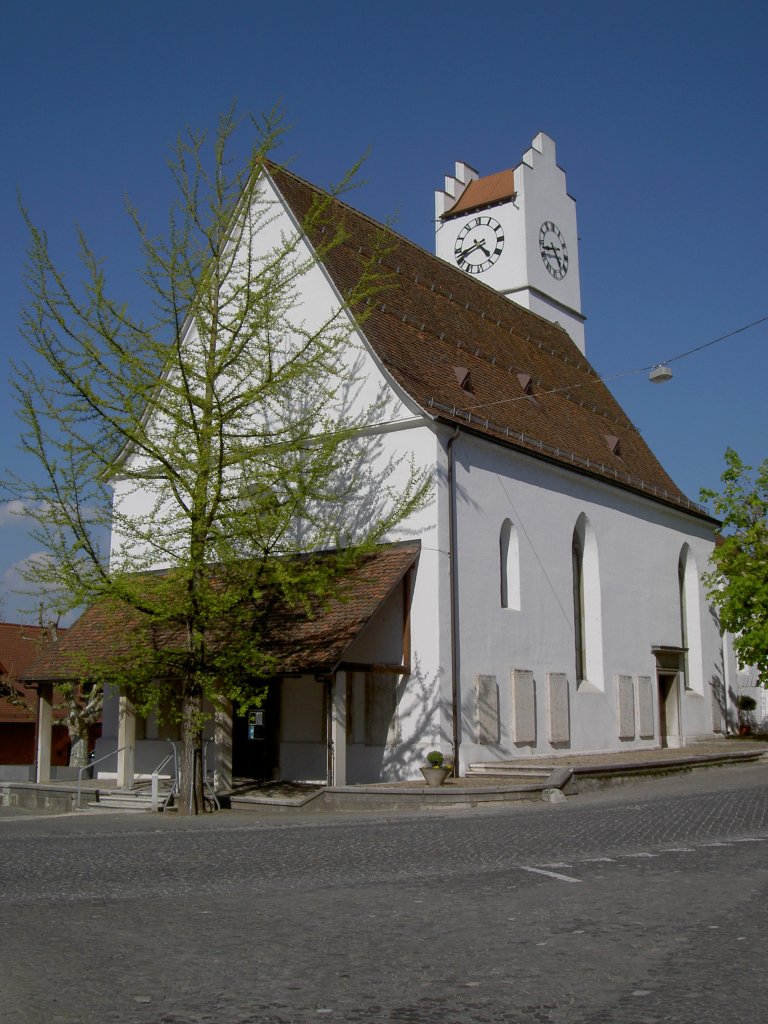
20 646
469 356
495 188
107 631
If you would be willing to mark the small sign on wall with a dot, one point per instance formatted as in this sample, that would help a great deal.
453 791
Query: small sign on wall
523 707
626 700
255 725
558 707
645 706
487 709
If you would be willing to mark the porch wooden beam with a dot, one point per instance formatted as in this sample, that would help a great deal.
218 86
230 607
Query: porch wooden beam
407 618
362 666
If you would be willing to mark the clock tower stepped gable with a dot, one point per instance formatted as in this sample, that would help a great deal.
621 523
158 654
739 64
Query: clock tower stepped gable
516 231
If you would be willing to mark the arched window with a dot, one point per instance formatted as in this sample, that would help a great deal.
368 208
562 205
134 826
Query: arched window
509 566
577 558
587 609
688 589
681 599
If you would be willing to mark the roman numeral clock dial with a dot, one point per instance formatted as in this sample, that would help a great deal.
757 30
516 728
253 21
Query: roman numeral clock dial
478 245
553 249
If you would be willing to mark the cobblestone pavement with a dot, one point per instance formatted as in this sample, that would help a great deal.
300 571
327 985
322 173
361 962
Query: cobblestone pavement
635 906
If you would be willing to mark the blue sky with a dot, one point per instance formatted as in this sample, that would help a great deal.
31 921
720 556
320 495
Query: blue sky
657 109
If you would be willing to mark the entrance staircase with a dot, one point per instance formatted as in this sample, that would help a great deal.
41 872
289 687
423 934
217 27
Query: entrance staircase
137 799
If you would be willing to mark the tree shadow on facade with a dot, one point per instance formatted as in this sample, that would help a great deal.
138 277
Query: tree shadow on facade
421 722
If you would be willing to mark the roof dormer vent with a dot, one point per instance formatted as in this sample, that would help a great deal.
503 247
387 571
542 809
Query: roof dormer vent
526 383
613 443
463 377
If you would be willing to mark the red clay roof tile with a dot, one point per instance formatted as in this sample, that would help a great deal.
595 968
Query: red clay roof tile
495 188
434 317
20 646
107 631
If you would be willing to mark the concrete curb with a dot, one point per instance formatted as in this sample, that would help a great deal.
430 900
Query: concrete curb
562 780
596 776
51 797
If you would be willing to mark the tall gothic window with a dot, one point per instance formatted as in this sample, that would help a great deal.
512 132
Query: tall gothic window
577 558
509 566
689 595
683 611
587 607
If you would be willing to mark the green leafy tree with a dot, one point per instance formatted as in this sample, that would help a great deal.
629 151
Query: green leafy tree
216 439
738 581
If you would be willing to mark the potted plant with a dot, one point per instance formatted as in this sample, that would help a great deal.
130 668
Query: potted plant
746 705
436 770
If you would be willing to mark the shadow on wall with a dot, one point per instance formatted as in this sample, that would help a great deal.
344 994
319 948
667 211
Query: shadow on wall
724 704
417 725
722 709
361 482
463 494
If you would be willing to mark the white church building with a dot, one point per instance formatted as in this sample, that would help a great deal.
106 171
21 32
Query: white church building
547 599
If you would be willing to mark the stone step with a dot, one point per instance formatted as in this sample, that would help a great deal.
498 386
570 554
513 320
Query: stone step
127 800
506 769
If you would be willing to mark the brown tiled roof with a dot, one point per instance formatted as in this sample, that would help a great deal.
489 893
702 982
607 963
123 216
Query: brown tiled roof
20 646
104 631
318 644
435 317
107 631
494 188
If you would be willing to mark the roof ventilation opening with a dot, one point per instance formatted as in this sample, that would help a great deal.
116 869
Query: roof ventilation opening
613 443
464 377
526 383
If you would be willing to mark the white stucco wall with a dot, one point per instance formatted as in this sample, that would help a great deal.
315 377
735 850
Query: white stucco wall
395 442
638 545
365 399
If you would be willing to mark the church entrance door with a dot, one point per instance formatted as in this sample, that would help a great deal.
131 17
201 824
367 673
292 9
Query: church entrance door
255 739
669 710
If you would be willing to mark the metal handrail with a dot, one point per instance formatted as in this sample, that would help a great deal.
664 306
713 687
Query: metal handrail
206 783
155 771
154 781
158 768
89 767
175 787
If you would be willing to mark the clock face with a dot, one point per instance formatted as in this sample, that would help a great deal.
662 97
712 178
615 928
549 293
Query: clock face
553 249
478 244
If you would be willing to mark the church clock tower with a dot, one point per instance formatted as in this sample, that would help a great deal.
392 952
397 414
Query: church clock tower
516 231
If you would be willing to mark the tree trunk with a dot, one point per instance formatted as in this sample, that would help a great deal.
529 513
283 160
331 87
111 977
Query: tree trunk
78 738
191 797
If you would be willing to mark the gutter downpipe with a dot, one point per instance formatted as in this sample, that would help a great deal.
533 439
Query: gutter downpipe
452 570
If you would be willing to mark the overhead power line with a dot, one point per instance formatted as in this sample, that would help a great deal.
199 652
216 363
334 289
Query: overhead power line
708 344
623 373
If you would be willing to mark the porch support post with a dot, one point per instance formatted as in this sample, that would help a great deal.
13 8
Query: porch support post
126 740
222 774
339 729
44 732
